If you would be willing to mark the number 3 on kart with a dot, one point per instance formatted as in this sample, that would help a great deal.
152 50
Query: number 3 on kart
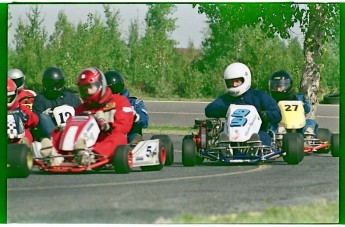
239 119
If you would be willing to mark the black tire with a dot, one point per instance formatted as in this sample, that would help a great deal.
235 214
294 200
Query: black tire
293 146
162 159
335 151
169 146
332 98
188 151
324 135
19 161
123 159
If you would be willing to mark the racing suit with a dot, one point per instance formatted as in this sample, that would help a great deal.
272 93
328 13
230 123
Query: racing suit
141 118
29 118
265 104
46 123
26 97
118 113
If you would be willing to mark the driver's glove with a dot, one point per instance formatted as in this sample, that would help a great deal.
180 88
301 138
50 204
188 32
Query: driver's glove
102 123
136 116
47 111
264 118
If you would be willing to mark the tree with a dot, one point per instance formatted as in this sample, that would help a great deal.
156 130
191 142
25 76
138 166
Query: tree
158 49
318 22
30 40
61 48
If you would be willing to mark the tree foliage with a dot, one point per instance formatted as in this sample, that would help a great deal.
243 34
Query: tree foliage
154 66
318 22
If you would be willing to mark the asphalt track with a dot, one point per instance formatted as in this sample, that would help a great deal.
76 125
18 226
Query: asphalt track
152 197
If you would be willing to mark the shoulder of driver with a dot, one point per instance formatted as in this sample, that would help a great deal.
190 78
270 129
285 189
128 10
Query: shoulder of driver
135 100
257 92
123 102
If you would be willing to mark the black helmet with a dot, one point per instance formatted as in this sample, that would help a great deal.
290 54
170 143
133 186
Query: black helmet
53 82
280 85
115 81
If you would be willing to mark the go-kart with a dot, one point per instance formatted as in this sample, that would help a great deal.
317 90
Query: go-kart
19 156
149 155
236 140
59 115
293 120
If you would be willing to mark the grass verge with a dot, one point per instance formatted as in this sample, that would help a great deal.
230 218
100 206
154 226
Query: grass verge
152 129
322 213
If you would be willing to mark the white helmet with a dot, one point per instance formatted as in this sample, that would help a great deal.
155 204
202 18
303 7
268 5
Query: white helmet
234 71
18 77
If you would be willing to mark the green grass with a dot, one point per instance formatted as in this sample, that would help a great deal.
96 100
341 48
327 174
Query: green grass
322 212
172 130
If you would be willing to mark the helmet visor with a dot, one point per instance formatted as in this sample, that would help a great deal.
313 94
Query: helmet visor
229 83
280 85
10 98
19 82
53 85
87 90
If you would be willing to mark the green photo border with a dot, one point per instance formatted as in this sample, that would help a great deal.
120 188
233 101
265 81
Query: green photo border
342 117
3 149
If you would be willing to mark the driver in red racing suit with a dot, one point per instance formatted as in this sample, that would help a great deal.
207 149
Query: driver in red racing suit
114 115
25 96
30 119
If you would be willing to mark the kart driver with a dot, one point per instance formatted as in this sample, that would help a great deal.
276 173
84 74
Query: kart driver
54 94
26 97
113 113
116 82
280 87
29 118
237 80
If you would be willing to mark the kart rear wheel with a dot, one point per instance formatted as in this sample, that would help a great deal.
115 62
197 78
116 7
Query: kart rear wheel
161 157
324 135
123 159
293 146
168 146
19 161
188 151
335 145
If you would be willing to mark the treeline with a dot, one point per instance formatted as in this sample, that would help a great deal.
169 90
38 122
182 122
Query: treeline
150 62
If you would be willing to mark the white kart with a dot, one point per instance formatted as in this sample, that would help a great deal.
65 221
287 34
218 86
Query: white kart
237 141
149 155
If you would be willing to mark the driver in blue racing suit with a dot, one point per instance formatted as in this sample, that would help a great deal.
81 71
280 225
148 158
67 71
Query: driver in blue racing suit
237 80
116 82
280 87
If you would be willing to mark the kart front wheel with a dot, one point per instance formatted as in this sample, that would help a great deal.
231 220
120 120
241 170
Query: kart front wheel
162 154
293 146
335 145
123 159
168 146
19 161
188 151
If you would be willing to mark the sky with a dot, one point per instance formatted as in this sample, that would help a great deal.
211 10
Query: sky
190 25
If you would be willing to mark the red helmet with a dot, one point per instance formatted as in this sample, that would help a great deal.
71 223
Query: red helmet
12 92
91 85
